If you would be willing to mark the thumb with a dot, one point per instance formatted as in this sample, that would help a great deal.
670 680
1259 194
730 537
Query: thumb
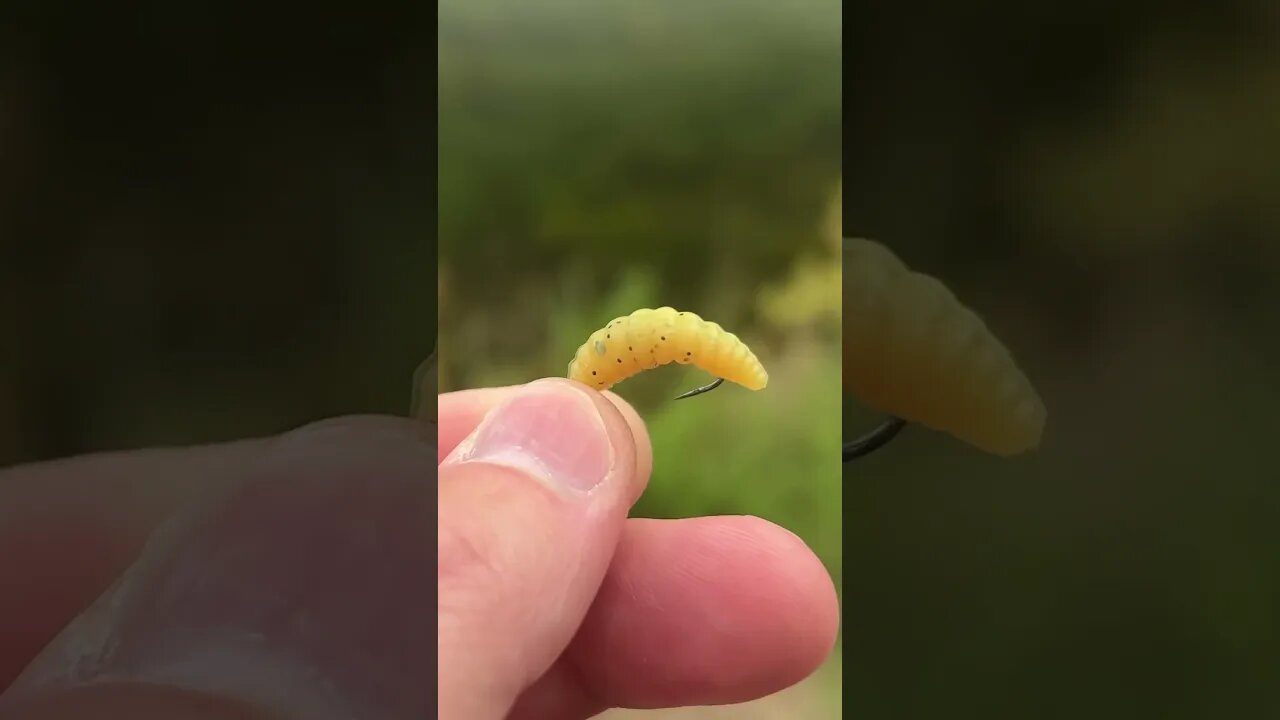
532 504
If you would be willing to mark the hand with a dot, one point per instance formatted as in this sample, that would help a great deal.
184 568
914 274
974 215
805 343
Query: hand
286 577
290 577
554 605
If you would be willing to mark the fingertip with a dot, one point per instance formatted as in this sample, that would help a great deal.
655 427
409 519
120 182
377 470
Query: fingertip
640 437
815 606
795 586
461 411
735 607
620 415
619 428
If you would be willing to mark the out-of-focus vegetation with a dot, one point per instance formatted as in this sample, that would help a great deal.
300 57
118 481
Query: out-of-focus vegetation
600 157
212 225
1103 183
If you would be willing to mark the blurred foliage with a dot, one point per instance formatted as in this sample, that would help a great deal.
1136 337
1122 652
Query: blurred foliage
600 157
1102 187
692 141
212 224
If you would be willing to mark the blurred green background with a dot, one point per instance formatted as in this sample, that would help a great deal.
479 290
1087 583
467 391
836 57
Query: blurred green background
1102 182
600 157
212 224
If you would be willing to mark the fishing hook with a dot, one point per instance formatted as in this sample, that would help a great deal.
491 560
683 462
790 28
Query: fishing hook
874 440
699 390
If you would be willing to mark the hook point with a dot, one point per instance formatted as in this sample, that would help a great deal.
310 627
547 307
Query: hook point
703 389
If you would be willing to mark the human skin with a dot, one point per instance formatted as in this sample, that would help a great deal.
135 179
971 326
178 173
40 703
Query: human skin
305 559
